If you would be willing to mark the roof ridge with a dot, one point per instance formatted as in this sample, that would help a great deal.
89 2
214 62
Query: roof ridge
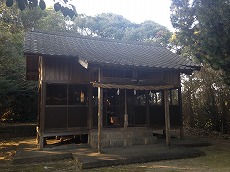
77 35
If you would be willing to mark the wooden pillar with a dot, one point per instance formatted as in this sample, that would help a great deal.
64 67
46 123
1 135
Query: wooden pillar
67 108
41 142
42 116
147 108
41 124
167 118
100 111
171 97
106 108
39 112
180 111
126 114
90 107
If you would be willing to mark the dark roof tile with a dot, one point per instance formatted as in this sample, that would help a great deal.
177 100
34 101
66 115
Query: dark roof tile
104 51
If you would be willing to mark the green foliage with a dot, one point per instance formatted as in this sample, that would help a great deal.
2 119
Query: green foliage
105 25
206 101
17 96
203 27
108 25
64 6
44 20
9 20
203 31
54 21
29 19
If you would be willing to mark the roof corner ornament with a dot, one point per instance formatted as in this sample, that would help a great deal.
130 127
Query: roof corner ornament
83 63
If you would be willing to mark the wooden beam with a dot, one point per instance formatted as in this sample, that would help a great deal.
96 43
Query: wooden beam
167 117
100 111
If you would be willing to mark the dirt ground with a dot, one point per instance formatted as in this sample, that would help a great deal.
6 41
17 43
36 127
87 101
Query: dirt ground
217 159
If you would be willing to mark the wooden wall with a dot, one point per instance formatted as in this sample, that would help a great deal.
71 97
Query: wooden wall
32 67
68 70
152 78
159 77
63 70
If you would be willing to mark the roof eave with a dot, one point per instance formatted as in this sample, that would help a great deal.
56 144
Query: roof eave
48 55
188 71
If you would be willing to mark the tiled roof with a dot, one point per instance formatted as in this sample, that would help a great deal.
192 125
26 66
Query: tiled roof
104 51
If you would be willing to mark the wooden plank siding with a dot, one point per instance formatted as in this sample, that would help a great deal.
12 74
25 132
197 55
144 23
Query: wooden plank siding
64 70
151 78
32 67
168 77
68 70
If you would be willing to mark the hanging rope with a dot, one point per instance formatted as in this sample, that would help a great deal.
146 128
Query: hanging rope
133 87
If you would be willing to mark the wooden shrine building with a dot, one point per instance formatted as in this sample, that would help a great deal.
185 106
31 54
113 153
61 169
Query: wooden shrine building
113 91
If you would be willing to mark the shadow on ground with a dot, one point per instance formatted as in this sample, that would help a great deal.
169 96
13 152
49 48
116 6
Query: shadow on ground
85 157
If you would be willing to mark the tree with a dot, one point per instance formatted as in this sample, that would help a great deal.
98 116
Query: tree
66 8
43 20
206 103
54 21
18 97
9 20
108 25
105 25
149 31
202 26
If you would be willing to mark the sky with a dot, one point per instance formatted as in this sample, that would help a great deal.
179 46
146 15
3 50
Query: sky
136 11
